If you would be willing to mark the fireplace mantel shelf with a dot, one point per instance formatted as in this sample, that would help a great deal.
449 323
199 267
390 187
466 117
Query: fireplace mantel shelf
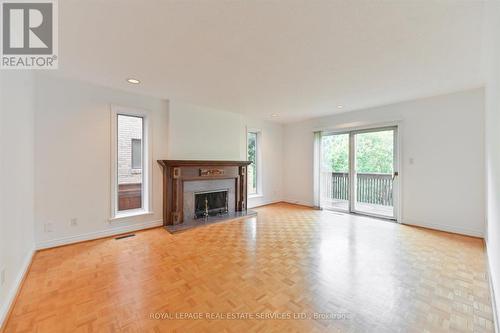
202 163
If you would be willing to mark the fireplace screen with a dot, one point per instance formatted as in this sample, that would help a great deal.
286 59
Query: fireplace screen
210 203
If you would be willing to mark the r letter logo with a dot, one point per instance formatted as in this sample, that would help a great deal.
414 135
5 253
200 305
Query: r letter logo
29 34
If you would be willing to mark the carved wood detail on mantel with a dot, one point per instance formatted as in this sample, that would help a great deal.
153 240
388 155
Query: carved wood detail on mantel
176 172
211 172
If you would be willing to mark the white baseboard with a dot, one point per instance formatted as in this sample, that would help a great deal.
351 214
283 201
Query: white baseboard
447 228
265 203
16 287
494 308
97 234
298 202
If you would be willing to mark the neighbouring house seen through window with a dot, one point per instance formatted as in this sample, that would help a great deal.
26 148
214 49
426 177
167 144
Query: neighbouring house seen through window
136 154
129 162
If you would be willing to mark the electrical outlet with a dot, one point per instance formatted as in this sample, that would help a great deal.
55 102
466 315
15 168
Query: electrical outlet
73 222
2 276
47 227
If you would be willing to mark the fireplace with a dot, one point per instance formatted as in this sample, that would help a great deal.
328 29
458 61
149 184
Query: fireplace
186 185
211 203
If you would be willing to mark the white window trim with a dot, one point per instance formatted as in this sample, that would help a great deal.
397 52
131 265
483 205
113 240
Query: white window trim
147 197
259 193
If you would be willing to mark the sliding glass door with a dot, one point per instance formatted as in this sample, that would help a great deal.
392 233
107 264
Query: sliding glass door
359 172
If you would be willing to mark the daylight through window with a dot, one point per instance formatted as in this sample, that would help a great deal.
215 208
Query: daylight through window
129 162
252 145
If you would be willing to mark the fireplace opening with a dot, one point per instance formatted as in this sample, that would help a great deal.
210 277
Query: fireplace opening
210 203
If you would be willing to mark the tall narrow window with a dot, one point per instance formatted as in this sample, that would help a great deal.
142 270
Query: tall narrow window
253 156
130 177
130 171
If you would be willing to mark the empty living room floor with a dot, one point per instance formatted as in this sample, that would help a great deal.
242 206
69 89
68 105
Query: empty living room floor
290 269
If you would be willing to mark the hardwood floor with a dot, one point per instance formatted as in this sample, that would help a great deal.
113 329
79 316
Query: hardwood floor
367 275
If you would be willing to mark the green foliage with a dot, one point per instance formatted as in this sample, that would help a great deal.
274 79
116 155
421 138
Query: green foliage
374 152
252 145
252 156
335 152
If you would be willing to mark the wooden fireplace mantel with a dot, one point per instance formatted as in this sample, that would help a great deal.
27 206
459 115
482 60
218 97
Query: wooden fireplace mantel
176 172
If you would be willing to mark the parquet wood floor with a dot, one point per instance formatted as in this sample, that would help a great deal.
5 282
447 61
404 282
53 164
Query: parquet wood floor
369 275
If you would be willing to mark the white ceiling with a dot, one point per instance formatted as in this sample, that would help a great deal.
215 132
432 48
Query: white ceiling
299 59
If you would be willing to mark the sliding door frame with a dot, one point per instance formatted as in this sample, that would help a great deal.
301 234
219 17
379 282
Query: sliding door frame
397 185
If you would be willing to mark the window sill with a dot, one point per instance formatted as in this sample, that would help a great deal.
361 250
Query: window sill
128 215
254 196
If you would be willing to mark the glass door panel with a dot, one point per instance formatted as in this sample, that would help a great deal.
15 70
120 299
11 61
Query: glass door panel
374 165
334 172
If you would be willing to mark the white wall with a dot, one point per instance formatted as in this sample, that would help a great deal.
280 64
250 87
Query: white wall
201 133
444 188
72 150
198 133
492 71
73 163
16 184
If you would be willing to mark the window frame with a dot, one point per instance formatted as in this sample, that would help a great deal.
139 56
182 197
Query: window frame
258 161
147 195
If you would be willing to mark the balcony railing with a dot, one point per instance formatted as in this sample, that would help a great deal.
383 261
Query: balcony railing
371 188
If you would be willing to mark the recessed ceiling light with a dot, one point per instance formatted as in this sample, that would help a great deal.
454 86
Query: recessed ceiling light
133 81
274 115
340 106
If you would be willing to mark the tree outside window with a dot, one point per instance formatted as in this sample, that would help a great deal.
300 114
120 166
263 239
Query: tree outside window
252 157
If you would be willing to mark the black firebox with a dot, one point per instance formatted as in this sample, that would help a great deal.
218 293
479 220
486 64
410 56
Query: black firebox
210 203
